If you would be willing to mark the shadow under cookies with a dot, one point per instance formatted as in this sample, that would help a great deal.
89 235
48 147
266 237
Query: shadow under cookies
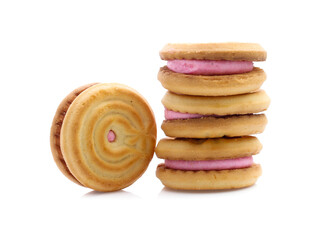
121 194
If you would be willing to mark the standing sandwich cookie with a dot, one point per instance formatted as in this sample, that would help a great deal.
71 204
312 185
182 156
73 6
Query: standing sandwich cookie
214 95
103 136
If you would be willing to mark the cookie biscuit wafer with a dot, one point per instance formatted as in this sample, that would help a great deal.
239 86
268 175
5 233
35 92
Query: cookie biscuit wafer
215 127
214 51
215 85
208 180
205 149
222 105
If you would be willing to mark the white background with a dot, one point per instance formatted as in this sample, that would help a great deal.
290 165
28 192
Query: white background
48 48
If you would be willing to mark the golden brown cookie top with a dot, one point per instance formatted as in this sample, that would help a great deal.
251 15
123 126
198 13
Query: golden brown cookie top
214 51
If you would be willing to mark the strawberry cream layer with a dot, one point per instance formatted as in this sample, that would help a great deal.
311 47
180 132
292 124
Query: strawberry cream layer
209 67
171 115
235 163
111 136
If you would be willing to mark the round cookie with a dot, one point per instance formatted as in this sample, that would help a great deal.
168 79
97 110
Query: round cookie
207 149
221 105
106 135
215 85
214 51
215 127
208 180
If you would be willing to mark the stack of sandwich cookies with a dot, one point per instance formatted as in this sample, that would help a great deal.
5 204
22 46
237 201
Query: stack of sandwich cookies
212 106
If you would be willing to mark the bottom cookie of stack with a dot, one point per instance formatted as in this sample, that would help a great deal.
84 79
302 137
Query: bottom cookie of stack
208 164
208 180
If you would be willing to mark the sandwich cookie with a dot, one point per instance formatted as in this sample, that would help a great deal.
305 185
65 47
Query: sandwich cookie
103 136
222 163
211 117
212 69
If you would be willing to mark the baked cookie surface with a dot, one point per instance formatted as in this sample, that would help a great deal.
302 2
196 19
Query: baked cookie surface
208 180
215 127
207 149
221 105
214 51
215 85
93 157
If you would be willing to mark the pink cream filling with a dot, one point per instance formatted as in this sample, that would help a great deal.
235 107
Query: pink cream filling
235 163
111 136
171 115
209 67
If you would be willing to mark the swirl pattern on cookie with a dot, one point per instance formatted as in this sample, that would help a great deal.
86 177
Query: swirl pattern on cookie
108 137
